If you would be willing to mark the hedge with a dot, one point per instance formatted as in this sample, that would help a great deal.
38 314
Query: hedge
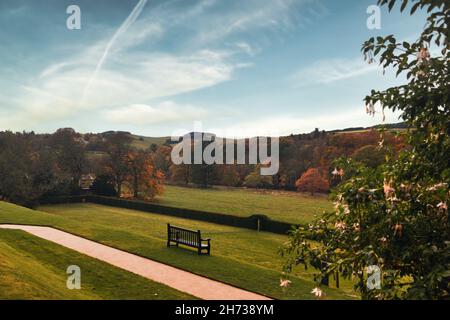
253 222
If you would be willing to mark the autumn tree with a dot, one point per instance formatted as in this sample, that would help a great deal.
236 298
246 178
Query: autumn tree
313 182
145 180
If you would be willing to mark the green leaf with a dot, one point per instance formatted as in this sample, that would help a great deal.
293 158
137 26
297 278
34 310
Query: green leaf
391 5
404 4
415 7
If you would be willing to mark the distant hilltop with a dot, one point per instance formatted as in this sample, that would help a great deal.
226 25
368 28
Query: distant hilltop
145 141
390 126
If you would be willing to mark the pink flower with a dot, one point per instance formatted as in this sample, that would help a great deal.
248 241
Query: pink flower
340 225
369 57
335 172
420 73
423 55
346 209
317 292
370 109
285 283
398 230
442 206
388 190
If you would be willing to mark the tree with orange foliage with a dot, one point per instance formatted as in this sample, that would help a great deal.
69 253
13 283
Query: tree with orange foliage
312 181
145 181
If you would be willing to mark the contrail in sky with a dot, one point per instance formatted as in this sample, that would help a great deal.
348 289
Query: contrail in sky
122 29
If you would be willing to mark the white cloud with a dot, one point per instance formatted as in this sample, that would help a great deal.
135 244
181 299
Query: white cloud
113 72
119 32
140 78
116 71
128 77
249 15
332 70
246 48
53 69
166 112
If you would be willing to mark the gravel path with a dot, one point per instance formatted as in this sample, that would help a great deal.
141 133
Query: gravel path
181 280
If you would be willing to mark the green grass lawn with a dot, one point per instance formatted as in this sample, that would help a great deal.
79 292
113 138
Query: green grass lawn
33 268
241 257
290 207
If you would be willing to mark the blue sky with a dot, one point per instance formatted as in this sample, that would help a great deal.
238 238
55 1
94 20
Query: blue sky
242 67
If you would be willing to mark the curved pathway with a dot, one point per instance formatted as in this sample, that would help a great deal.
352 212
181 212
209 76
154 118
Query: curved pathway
181 280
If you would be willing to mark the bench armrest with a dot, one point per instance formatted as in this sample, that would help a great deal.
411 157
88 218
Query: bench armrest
206 239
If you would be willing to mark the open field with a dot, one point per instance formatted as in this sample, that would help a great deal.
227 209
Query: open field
144 143
240 257
284 206
33 268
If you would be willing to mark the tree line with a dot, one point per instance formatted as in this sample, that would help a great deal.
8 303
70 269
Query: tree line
33 166
306 162
42 165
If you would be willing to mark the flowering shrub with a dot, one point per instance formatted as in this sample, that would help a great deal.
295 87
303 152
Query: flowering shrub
395 216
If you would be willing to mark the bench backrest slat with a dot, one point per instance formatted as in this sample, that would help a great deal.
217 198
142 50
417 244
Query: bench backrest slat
189 236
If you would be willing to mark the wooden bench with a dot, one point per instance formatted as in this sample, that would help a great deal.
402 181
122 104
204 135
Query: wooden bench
188 238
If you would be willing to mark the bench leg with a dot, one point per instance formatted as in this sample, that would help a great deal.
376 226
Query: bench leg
200 250
169 243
